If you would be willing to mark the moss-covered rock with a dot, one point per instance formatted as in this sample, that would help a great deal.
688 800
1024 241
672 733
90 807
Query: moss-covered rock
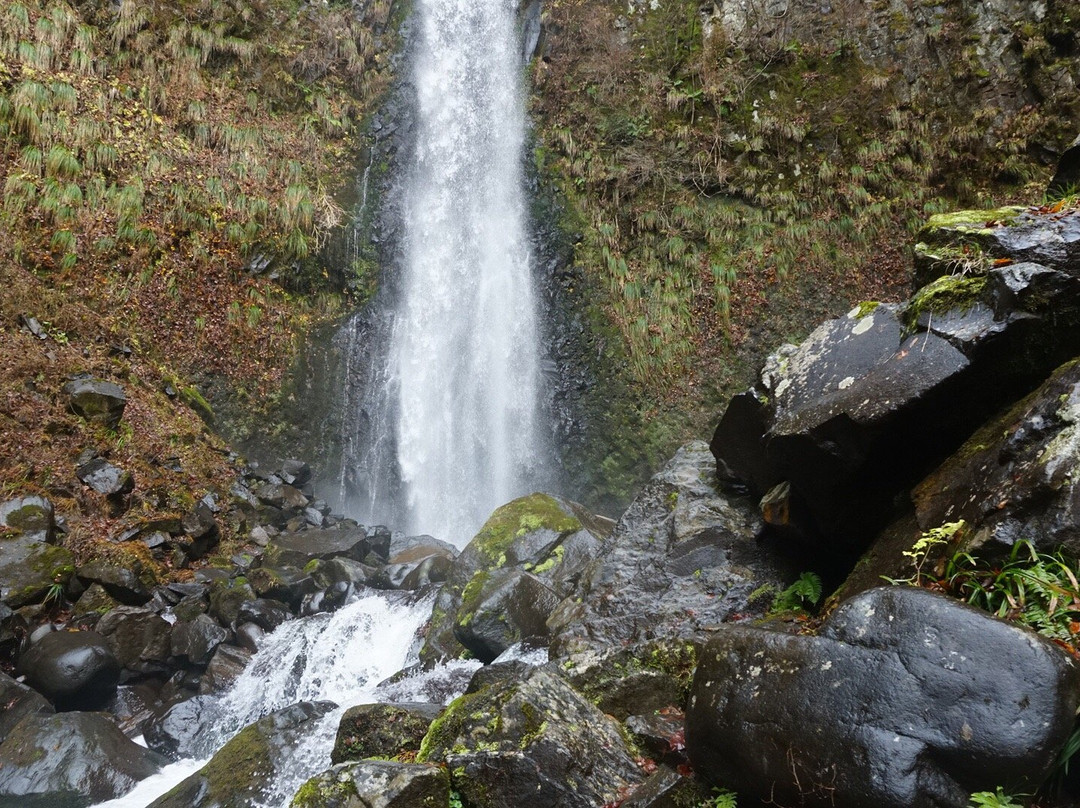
382 730
376 784
512 573
31 570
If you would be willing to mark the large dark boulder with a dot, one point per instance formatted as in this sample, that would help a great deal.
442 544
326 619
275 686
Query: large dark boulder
75 670
871 401
414 562
121 583
70 760
195 640
531 742
181 730
299 549
503 586
98 401
18 701
376 784
138 637
382 730
1066 179
683 557
243 771
904 698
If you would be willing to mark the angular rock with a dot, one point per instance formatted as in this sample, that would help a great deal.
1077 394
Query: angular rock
105 478
120 582
283 583
75 670
871 401
382 730
70 760
1016 478
243 770
511 606
904 698
667 788
227 598
531 743
19 701
544 536
138 638
94 601
181 730
414 562
683 557
376 784
299 549
340 570
30 570
200 532
32 516
196 639
225 668
266 614
280 495
96 400
295 472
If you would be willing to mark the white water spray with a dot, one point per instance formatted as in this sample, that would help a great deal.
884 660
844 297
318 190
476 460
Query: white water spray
462 372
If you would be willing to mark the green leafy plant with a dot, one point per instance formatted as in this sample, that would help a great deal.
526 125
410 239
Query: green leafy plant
455 799
1040 590
721 798
802 595
928 544
995 799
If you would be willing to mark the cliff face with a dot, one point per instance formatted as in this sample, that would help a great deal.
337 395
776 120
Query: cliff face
732 172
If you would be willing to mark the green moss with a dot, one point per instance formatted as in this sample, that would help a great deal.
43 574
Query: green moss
865 308
191 396
238 768
969 221
551 561
323 790
947 293
519 517
445 729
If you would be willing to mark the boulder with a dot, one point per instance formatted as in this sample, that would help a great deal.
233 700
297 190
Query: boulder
1018 477
510 606
19 701
545 538
105 478
75 670
904 698
871 401
299 549
382 730
225 668
266 614
96 400
684 556
31 516
669 788
31 570
139 638
95 601
295 472
120 582
70 760
200 532
414 562
531 742
227 598
181 730
195 640
376 784
244 769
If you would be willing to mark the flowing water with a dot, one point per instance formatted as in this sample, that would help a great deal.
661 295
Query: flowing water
449 413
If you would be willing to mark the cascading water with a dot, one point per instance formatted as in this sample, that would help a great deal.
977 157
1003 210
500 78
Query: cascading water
450 414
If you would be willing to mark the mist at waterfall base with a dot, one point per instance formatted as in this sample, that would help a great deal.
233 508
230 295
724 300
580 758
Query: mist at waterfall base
443 393
340 657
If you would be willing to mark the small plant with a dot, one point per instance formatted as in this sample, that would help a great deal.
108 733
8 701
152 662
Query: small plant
54 595
721 798
927 545
995 799
802 595
455 799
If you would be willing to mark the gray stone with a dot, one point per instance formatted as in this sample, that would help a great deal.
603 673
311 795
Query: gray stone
32 516
904 698
19 701
382 730
138 638
70 760
225 668
30 569
377 784
298 549
96 400
181 730
105 478
196 639
75 670
120 582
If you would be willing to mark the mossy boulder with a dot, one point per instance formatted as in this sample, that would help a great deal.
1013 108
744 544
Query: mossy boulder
382 730
30 516
531 741
97 401
524 559
376 784
239 774
31 570
227 598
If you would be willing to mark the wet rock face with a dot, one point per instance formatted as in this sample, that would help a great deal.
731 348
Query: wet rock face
240 772
682 557
503 586
872 401
905 698
70 760
1018 477
376 784
382 730
18 701
531 742
76 670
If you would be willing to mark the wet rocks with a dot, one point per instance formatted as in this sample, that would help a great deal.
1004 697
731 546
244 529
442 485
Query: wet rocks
70 760
19 701
682 557
241 771
376 784
195 640
531 742
382 730
120 583
903 698
96 400
76 670
31 517
105 478
181 727
139 639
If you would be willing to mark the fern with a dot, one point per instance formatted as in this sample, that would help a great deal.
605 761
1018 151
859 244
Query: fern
802 595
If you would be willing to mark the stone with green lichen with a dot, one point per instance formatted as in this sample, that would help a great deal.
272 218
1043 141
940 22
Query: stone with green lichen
376 784
527 548
382 730
238 774
30 568
531 741
948 293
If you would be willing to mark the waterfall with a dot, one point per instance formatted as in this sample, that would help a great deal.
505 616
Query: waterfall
449 412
